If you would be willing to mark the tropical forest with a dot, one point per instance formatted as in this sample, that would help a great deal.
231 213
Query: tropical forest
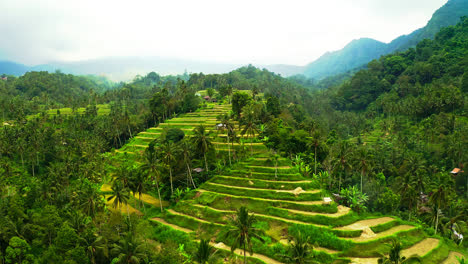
364 166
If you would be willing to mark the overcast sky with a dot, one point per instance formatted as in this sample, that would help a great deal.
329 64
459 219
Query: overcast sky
232 31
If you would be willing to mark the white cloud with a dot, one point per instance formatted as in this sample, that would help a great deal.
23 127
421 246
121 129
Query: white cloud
243 31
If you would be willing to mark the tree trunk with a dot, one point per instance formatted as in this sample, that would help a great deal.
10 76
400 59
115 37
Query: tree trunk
229 151
206 163
159 195
190 175
315 160
245 258
170 178
437 220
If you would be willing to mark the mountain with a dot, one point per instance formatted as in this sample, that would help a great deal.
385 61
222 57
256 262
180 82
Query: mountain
12 68
123 68
356 53
360 52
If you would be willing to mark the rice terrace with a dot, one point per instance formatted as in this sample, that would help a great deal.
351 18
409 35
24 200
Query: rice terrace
209 132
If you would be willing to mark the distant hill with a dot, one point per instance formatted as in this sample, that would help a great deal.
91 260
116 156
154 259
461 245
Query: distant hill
122 68
362 51
12 68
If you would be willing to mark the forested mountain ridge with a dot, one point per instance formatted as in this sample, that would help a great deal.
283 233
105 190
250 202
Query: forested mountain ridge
360 52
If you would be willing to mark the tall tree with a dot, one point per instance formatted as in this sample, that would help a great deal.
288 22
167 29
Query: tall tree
169 151
249 127
242 231
151 167
202 141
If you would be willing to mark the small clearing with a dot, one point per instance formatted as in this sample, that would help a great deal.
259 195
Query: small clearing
385 233
421 248
239 252
150 199
176 227
364 260
361 225
452 258
342 210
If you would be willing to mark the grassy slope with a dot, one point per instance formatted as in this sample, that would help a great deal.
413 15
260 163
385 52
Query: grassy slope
205 213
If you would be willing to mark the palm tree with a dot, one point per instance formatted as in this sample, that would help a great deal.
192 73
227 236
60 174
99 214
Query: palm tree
169 152
438 198
341 161
300 251
315 142
151 167
128 250
137 184
205 252
186 152
96 246
227 125
395 255
202 141
242 231
249 127
363 161
119 194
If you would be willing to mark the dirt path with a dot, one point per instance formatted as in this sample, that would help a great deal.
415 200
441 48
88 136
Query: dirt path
260 180
260 189
263 199
128 152
268 167
262 215
364 260
421 248
239 252
360 225
452 258
176 227
150 200
194 218
342 210
236 144
385 233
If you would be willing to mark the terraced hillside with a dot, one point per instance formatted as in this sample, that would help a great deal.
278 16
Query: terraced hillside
284 203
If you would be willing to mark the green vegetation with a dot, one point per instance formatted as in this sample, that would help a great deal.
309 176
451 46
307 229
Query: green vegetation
166 177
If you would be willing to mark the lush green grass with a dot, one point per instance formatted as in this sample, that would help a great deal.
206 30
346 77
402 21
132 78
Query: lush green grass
265 176
222 202
266 194
246 182
378 247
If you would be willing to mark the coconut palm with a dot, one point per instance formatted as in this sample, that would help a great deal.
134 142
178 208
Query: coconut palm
202 141
341 160
128 250
137 184
315 142
228 126
395 257
363 161
438 198
205 252
300 251
151 167
169 151
186 152
120 195
242 231
249 128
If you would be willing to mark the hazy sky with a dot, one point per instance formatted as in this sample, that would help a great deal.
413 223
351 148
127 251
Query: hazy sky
233 31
